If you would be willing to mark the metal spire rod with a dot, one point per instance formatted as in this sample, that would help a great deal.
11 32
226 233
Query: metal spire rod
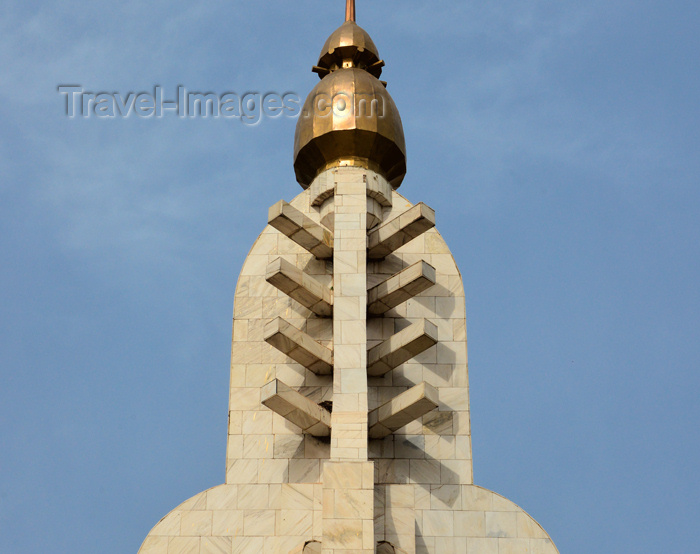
350 10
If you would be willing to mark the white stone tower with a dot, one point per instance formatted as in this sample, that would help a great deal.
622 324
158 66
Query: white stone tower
349 400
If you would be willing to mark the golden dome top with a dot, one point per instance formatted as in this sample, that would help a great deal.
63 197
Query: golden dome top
349 42
349 118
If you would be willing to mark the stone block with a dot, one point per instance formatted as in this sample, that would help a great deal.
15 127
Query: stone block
299 346
402 409
295 407
398 288
215 545
301 229
401 347
393 234
303 288
183 545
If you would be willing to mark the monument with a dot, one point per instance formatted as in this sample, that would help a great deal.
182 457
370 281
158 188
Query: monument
349 400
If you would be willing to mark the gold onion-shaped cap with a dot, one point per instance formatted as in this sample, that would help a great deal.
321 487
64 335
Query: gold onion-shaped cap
349 118
350 41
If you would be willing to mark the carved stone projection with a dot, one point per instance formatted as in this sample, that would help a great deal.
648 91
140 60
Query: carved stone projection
348 423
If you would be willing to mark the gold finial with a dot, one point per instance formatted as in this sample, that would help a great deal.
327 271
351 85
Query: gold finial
350 10
369 134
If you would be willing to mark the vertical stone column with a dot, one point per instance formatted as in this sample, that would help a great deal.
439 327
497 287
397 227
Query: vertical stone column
349 417
348 477
348 507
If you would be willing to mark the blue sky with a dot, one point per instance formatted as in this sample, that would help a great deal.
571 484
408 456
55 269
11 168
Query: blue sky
558 143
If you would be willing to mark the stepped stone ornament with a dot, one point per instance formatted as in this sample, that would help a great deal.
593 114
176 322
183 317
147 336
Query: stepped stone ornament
349 401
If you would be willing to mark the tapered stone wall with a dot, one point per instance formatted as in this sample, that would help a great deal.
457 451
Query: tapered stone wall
349 400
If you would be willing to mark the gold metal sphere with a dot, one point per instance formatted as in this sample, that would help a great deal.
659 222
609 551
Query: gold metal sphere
349 118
